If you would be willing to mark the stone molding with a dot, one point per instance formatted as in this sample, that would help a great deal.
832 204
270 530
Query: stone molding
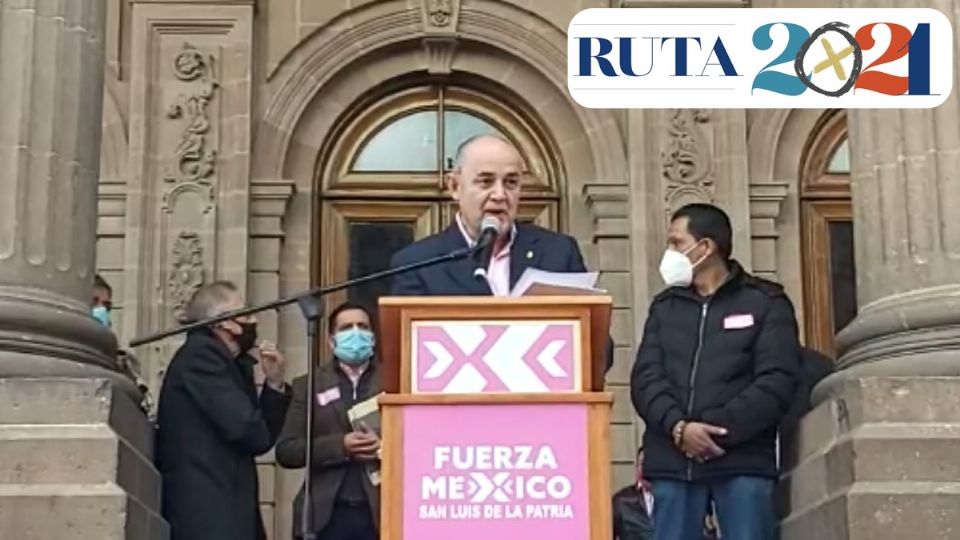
918 322
766 202
440 51
609 204
269 200
111 202
440 16
332 50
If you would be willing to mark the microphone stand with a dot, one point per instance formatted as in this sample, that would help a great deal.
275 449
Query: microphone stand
312 310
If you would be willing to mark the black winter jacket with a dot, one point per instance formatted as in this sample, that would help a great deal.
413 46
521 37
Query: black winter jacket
730 360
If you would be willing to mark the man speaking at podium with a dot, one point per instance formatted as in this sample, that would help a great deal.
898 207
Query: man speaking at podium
485 183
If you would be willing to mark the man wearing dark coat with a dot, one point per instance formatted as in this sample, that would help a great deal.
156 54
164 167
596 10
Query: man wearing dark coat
633 507
345 499
486 182
715 374
212 424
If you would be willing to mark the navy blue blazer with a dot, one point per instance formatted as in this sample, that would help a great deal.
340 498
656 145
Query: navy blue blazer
533 246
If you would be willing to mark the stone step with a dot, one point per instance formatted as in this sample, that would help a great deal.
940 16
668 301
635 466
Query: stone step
76 512
75 402
86 454
875 400
871 510
79 457
55 401
57 454
874 453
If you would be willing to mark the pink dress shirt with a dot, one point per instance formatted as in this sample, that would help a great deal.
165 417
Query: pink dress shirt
498 273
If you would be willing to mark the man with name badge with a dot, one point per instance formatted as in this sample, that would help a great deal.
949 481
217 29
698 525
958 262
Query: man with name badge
485 183
715 373
345 500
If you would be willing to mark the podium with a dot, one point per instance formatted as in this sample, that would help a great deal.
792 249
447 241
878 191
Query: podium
494 420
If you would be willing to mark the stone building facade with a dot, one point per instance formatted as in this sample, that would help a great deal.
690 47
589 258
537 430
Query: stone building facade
285 144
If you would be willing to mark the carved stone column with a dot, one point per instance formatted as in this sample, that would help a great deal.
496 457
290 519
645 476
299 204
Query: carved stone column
884 435
51 65
877 457
81 446
907 237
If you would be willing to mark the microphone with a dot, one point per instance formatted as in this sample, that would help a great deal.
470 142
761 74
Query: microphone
489 229
311 307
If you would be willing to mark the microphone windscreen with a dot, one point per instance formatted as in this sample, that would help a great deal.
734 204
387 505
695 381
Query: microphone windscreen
490 222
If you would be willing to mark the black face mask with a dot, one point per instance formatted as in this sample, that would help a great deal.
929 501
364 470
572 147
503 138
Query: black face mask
248 338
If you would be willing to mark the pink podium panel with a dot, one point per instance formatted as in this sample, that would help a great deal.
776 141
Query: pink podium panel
497 471
456 357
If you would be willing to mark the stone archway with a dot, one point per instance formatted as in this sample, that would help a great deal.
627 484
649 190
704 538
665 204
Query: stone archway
318 81
316 84
366 48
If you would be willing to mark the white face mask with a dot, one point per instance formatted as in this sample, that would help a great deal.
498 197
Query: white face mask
676 269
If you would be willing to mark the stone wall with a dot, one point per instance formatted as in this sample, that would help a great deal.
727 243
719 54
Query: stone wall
83 455
217 113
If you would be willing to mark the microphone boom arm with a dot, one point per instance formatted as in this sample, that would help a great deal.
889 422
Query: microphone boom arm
311 308
315 293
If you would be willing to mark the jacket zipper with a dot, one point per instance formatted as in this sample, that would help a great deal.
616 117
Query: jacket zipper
693 374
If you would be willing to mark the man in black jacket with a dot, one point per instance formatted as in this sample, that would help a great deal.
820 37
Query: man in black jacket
715 373
213 425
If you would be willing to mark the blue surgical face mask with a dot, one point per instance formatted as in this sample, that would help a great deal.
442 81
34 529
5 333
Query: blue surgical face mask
101 314
353 346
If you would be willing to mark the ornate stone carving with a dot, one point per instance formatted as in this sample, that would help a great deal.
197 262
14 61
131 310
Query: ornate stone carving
688 162
186 273
195 161
204 190
439 12
440 52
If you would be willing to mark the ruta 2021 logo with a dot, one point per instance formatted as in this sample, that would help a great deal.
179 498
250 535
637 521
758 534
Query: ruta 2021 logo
760 58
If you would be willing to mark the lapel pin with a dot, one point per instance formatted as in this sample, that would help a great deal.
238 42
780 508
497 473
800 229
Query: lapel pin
529 254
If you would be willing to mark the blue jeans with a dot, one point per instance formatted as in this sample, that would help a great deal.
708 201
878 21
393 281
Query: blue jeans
745 509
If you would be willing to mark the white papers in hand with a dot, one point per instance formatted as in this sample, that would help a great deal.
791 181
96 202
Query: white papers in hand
536 282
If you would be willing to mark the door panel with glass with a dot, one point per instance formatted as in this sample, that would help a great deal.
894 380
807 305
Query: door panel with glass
829 266
383 185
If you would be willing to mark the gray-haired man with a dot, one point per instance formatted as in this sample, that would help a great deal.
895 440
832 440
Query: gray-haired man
213 424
